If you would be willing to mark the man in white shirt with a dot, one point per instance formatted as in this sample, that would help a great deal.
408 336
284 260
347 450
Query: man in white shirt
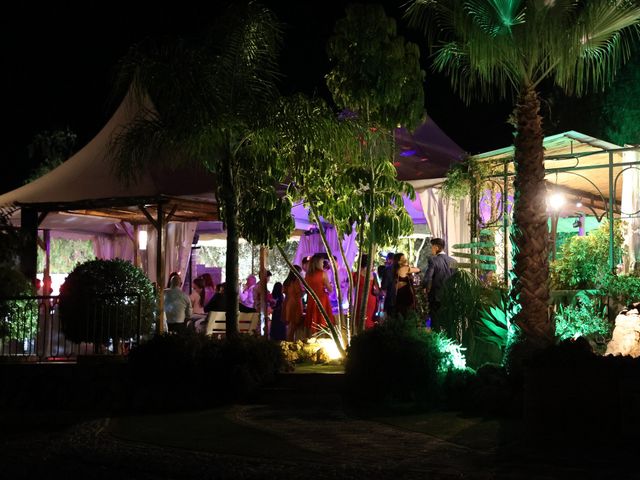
246 295
177 306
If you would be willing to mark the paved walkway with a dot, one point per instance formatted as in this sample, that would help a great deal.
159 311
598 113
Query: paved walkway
328 443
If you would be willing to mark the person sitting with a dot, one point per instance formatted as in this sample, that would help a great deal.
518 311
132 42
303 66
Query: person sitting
197 296
209 287
217 302
177 306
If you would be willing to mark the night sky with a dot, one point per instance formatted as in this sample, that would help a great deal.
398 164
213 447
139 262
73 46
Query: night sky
59 64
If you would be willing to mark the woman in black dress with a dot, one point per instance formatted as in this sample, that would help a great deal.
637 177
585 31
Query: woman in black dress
405 296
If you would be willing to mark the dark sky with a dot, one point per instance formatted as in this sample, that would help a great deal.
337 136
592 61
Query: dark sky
59 63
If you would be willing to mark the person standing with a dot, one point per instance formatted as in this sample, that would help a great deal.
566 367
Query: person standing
318 281
439 269
292 310
388 285
405 300
371 298
177 306
278 330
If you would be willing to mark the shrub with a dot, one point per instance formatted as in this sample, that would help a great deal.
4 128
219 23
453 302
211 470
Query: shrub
584 261
625 288
97 296
396 363
18 318
194 370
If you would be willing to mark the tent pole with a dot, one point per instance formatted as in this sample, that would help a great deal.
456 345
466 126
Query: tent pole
612 201
263 290
136 245
46 280
29 252
160 267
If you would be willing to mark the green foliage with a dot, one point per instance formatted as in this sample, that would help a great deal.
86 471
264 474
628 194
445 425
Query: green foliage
374 71
581 318
11 240
97 296
622 124
462 176
463 297
18 318
66 254
584 261
396 363
211 371
496 48
50 149
625 288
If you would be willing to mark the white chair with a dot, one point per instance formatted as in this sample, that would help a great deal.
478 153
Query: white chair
216 323
248 322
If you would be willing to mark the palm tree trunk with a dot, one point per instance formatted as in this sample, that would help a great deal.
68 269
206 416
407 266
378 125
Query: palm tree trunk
230 202
530 287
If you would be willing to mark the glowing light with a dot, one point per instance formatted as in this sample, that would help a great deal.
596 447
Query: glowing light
142 239
330 347
556 200
579 204
408 153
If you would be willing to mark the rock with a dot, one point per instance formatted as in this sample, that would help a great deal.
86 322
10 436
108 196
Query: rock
626 336
322 356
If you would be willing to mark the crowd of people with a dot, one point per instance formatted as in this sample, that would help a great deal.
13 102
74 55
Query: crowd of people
293 311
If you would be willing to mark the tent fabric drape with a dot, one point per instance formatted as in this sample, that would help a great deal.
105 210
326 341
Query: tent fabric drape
630 210
447 219
311 243
107 247
177 247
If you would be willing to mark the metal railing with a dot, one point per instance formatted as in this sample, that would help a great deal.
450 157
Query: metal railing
32 329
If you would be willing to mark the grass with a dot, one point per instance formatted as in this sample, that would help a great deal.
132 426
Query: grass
213 431
314 368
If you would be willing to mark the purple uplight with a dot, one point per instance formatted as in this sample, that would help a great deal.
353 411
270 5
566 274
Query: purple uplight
408 153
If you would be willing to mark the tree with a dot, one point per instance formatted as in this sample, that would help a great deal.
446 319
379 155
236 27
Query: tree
328 167
376 75
210 95
50 149
502 48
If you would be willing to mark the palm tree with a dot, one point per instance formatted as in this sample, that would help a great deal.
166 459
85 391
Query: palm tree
209 96
509 47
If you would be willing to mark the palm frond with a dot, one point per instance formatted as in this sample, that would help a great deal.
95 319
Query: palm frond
496 17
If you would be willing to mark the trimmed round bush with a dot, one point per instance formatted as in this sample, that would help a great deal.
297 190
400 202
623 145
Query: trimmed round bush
99 302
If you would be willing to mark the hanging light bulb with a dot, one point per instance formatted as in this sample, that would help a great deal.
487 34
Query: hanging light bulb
579 203
556 200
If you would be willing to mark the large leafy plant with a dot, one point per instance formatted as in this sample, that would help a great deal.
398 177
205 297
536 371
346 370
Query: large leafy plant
583 317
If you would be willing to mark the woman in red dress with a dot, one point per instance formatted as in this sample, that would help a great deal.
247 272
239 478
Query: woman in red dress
292 308
372 298
318 281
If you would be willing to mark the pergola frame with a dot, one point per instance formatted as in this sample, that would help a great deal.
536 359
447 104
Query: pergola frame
608 205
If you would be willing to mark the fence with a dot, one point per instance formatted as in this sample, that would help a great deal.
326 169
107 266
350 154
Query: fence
31 328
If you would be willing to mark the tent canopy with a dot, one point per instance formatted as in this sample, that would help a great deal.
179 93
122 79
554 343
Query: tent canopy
85 194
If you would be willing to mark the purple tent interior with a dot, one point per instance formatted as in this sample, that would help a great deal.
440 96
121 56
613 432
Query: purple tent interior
426 153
